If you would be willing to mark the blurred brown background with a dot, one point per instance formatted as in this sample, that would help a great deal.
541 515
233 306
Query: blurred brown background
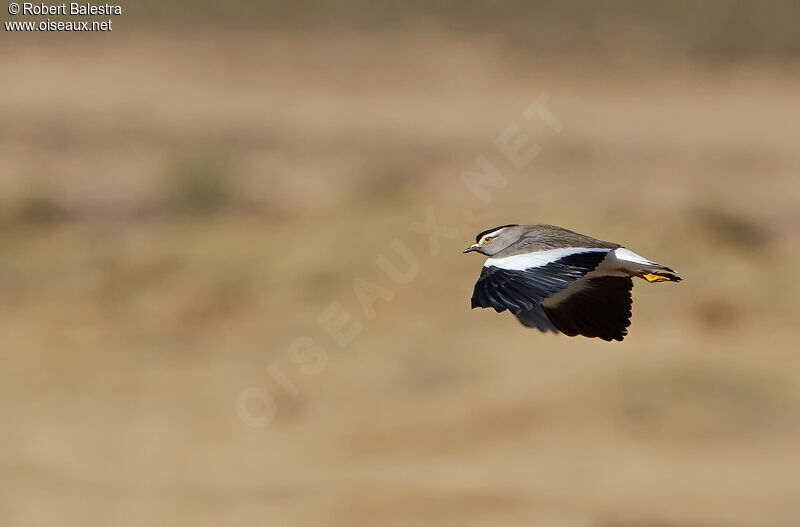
182 198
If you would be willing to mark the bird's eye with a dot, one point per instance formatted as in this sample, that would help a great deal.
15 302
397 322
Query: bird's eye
487 240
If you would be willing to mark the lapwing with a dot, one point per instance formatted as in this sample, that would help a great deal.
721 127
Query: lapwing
561 281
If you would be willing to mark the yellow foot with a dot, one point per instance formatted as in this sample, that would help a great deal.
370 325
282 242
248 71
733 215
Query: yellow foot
661 277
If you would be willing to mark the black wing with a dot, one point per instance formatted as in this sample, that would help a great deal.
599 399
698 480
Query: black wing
599 307
537 318
519 291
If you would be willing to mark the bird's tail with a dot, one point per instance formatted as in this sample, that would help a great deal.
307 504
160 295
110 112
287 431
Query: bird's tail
633 264
655 272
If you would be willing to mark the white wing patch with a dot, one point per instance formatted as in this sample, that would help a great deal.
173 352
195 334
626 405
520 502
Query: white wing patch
520 262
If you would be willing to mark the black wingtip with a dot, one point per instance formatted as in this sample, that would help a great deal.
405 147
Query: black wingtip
601 309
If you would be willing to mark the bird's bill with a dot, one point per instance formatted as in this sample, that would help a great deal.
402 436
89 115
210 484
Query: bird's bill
473 247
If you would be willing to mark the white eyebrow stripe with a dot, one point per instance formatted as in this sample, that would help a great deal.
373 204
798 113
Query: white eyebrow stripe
521 262
491 234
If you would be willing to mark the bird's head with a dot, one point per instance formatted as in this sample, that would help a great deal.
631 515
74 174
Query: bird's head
492 241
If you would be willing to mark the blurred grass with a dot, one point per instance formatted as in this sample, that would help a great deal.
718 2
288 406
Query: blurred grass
36 207
716 29
168 231
702 403
198 184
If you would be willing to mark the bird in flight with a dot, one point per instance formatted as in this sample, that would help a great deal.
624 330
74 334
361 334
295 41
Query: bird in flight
558 280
